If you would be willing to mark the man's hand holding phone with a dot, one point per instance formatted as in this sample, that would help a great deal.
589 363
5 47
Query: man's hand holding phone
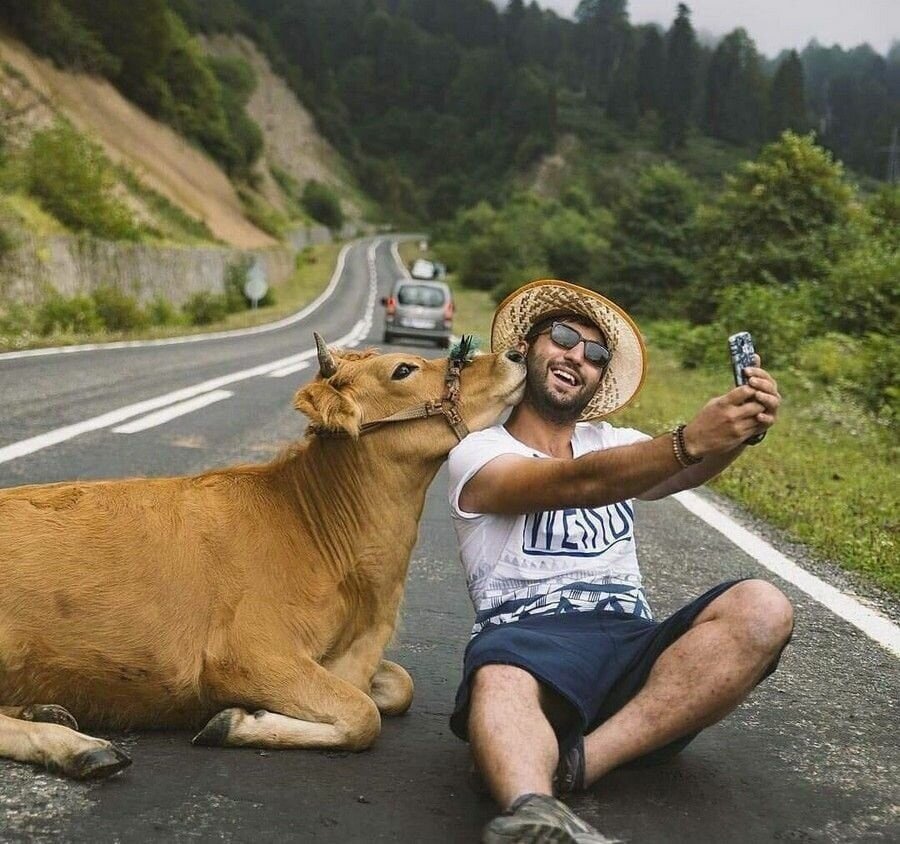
741 415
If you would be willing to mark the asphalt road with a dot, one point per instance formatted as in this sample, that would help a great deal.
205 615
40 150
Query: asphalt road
814 754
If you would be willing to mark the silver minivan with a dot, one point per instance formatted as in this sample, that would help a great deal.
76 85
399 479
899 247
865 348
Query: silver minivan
419 310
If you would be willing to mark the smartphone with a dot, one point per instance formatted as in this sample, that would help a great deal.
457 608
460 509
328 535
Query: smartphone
741 349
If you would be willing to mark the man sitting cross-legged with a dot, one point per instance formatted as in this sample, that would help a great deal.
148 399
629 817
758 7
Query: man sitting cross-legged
567 676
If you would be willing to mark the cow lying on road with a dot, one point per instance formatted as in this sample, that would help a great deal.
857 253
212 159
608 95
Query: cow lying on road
272 588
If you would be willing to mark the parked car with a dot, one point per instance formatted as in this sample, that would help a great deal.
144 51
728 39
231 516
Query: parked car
420 310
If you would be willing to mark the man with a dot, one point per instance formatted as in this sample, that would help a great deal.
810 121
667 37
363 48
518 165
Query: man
567 676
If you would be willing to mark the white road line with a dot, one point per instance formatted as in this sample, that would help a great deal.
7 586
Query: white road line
290 370
872 623
172 412
195 338
395 251
114 417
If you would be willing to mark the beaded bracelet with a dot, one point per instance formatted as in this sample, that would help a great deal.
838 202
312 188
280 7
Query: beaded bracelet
682 455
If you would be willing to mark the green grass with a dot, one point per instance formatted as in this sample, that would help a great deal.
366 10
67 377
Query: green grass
826 474
314 270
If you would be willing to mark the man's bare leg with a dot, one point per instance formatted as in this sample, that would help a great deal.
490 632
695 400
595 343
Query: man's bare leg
699 679
513 743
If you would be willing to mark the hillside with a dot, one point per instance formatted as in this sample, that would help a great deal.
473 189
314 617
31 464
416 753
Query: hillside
292 143
161 158
152 158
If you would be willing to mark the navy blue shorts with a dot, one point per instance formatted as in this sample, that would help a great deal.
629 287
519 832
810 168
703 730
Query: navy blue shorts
596 661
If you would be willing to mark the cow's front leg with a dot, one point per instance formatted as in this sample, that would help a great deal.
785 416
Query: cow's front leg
315 710
59 749
392 688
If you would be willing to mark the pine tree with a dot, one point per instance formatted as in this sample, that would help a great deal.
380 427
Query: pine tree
623 101
681 71
651 86
603 28
734 105
513 17
787 100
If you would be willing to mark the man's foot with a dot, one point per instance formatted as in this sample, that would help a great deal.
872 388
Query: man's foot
540 819
570 771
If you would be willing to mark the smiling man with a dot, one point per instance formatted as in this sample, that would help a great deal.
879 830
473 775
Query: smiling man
567 675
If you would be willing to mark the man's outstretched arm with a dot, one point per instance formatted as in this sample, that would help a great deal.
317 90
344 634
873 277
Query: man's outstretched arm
512 485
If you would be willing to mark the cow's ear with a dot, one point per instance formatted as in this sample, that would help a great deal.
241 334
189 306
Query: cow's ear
329 408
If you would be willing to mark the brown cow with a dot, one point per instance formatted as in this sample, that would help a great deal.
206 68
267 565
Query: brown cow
272 588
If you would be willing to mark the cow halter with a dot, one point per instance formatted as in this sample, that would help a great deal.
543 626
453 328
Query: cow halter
446 406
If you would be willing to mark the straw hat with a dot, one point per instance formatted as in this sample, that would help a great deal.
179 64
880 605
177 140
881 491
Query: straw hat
628 363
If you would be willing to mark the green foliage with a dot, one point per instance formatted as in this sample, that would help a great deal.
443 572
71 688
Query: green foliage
862 291
681 73
72 179
16 321
160 311
322 204
781 218
865 368
653 243
884 208
261 214
204 308
59 315
117 310
787 98
735 102
651 91
7 241
235 279
528 238
245 142
53 31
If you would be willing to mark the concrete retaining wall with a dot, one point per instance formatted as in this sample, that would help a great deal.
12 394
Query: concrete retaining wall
75 265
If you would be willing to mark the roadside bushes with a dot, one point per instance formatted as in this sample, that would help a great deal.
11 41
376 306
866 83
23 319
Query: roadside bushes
72 180
787 249
322 204
110 309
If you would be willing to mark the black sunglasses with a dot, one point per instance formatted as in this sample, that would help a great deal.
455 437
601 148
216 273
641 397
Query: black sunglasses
567 337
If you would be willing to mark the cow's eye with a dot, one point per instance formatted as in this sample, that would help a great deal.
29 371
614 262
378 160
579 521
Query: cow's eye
402 371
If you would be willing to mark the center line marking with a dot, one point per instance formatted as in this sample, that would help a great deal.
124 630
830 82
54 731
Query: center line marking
172 412
290 370
359 332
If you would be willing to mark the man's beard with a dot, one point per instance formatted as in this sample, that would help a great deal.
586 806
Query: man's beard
552 407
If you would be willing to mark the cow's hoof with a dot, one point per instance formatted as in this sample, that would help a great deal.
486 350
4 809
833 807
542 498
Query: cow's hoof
98 764
49 713
217 730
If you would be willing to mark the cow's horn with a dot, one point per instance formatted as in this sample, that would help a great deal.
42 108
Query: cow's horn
326 361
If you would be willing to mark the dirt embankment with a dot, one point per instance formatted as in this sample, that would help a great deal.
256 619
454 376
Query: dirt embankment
161 158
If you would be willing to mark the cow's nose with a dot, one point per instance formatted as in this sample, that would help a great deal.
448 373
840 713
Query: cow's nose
514 356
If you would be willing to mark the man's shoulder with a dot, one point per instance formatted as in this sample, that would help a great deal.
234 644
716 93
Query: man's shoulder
480 446
593 436
484 437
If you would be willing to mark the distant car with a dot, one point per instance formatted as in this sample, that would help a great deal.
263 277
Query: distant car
421 310
422 269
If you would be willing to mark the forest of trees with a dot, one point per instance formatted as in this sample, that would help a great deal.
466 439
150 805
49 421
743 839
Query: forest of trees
435 104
